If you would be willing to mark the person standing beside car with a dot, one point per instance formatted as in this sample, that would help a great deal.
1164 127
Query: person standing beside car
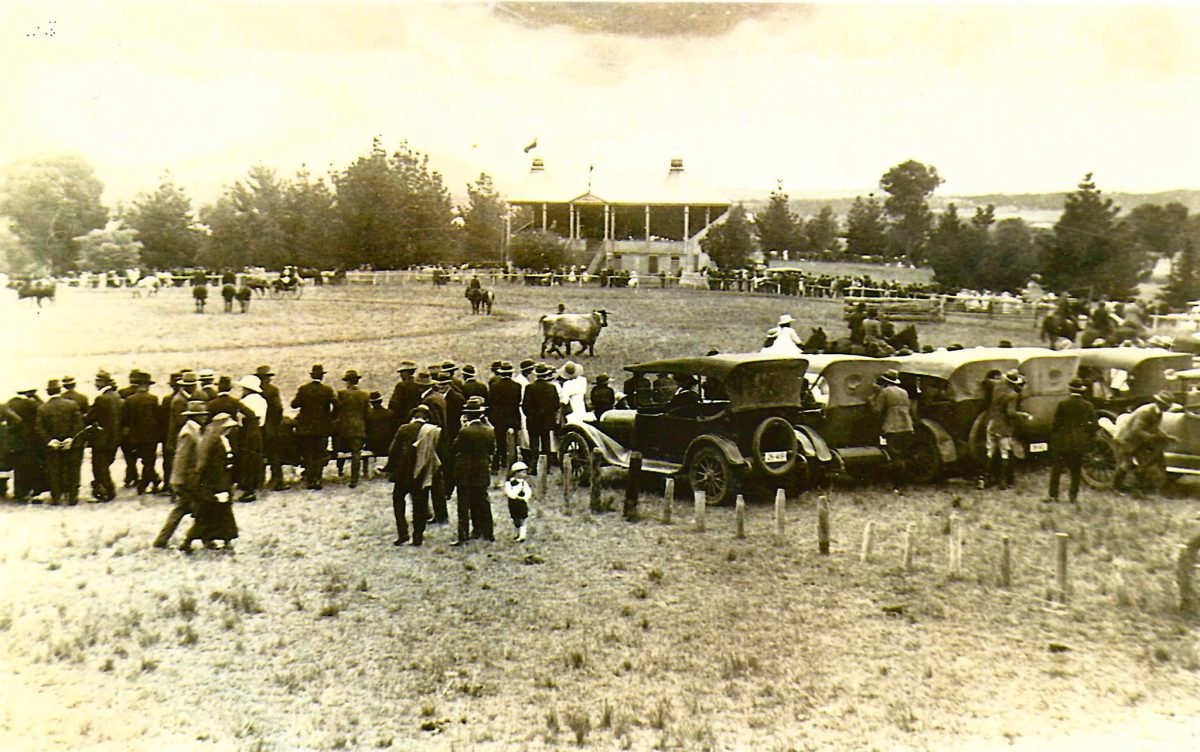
1074 427
891 404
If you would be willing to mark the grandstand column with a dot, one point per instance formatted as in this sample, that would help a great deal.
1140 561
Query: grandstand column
647 225
545 224
687 246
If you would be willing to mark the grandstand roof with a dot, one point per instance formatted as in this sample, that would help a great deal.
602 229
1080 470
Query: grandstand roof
672 186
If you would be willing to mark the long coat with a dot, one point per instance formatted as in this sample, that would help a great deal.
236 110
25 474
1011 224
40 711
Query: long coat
350 413
504 404
405 397
894 408
214 519
316 402
23 432
540 405
58 418
185 472
140 418
105 415
1074 425
472 452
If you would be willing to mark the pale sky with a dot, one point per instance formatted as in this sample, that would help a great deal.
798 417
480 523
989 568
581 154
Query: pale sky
826 97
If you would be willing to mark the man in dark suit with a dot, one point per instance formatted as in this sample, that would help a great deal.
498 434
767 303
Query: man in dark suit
350 424
314 425
25 450
208 386
473 449
471 385
104 417
142 432
125 393
381 427
603 397
1075 423
407 393
685 395
58 424
271 429
224 402
76 452
504 410
401 464
540 405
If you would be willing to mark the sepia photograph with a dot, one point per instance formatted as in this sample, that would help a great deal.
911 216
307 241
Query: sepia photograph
778 377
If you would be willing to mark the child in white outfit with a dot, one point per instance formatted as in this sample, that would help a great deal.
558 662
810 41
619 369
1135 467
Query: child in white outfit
518 492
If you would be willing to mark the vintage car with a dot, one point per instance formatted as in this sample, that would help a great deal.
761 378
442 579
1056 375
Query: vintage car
763 422
1125 377
1182 453
948 388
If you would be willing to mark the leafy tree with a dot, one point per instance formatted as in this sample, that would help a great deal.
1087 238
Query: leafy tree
950 254
49 202
246 223
110 248
729 243
483 221
394 209
777 227
1184 284
537 250
311 225
1157 230
866 230
985 217
909 186
1086 251
1010 255
164 224
821 230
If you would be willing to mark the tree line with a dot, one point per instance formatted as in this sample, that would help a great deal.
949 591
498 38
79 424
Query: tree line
387 209
1091 251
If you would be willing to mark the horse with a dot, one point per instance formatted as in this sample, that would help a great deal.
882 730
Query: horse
147 285
817 341
481 299
257 284
38 289
243 295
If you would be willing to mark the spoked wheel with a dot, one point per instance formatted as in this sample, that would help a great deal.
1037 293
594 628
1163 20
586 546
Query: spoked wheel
924 461
711 473
1100 463
576 447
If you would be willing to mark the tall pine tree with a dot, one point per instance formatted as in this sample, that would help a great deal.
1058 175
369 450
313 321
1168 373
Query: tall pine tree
777 227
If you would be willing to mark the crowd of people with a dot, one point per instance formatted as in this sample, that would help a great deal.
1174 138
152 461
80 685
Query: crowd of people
444 432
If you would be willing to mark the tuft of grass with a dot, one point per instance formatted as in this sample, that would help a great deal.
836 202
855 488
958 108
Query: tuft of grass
187 605
576 659
580 725
330 610
738 666
148 665
362 585
552 724
187 635
655 575
239 599
640 592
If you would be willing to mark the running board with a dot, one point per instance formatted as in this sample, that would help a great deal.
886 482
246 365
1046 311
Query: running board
1183 471
658 467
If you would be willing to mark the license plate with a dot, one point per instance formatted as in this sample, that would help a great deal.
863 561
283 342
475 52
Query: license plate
776 457
1039 446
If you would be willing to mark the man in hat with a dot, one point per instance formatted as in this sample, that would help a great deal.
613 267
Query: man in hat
449 368
224 402
104 417
1071 435
316 402
472 453
891 405
272 425
407 393
603 398
504 410
185 470
686 394
58 425
381 427
1001 416
76 452
471 385
26 451
125 392
350 425
208 378
142 431
173 420
664 388
525 375
252 412
638 390
495 374
540 405
413 464
1141 440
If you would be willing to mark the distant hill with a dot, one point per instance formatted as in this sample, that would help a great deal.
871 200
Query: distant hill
1034 205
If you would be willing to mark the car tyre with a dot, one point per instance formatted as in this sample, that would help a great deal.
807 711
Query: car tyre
925 462
1100 462
711 473
580 451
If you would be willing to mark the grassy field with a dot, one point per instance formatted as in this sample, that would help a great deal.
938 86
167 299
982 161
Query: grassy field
318 634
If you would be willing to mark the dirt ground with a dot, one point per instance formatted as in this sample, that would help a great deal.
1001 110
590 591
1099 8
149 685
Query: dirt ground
317 633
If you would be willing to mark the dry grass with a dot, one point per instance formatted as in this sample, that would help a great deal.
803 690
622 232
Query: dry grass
318 634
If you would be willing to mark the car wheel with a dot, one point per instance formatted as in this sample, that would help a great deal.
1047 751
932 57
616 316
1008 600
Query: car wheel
712 474
1100 463
774 448
577 448
977 440
925 461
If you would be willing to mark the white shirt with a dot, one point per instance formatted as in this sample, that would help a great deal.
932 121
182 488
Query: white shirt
573 394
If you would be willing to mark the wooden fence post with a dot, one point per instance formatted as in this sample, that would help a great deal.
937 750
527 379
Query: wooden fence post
700 507
740 515
780 515
955 545
632 486
510 449
908 548
1061 541
1185 566
1005 562
568 484
543 478
823 525
594 500
868 542
668 500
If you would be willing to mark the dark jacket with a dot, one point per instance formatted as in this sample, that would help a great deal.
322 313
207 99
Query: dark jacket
504 404
350 413
436 402
58 418
105 415
405 397
603 398
472 453
540 405
274 399
175 419
139 418
23 432
316 402
454 405
381 427
78 399
1074 425
474 388
224 403
402 455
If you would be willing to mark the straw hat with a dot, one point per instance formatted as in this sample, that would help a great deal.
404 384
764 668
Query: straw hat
252 383
570 370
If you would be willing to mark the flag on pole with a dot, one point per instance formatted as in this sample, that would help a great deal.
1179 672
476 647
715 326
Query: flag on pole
532 145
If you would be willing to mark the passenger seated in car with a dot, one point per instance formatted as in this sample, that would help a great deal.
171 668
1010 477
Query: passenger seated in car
686 394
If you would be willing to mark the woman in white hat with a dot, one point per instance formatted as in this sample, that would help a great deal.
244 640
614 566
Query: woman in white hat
574 389
782 339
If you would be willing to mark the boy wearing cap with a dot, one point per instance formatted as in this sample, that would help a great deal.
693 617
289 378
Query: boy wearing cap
1072 432
104 416
58 424
472 453
518 493
350 425
316 402
185 469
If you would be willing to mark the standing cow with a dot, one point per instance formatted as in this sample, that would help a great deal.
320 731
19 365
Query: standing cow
565 328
